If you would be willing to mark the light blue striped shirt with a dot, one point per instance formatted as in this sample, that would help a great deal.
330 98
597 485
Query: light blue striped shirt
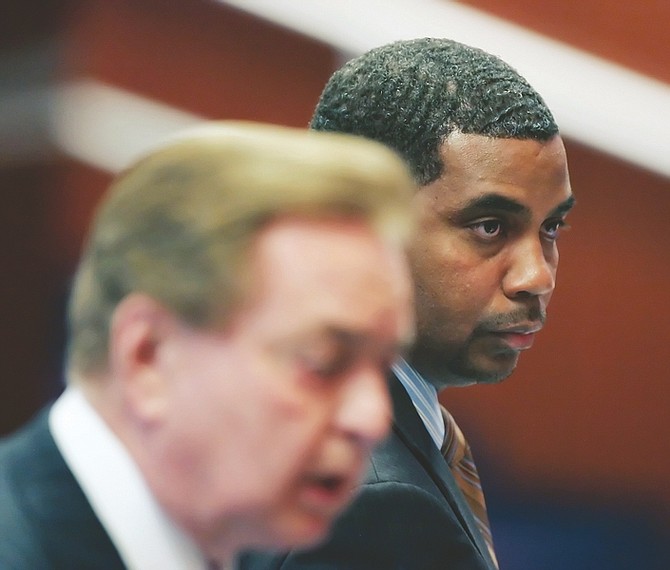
424 398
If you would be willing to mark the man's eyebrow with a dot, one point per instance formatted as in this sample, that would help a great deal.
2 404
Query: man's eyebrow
564 207
350 339
492 202
496 202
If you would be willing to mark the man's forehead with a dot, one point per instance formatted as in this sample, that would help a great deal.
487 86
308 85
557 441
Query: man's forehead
467 149
476 168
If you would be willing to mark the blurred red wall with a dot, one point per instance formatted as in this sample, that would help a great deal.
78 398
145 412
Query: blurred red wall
587 409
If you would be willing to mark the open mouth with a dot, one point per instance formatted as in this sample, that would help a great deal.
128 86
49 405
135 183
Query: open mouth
330 483
325 493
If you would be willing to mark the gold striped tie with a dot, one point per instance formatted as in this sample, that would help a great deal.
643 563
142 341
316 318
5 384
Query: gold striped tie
457 453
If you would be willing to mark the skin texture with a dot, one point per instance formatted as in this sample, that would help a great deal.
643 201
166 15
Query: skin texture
485 257
236 429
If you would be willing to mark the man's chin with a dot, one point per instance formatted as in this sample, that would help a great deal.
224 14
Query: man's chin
483 366
493 370
301 532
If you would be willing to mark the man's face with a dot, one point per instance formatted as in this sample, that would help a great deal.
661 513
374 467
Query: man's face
485 257
271 419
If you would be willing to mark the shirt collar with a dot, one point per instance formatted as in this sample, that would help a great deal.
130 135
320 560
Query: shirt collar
141 532
424 398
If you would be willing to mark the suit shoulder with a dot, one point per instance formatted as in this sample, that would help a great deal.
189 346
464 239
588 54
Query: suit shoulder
46 521
390 525
19 455
394 461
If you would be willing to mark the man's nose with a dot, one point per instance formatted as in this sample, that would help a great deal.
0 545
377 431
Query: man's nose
532 270
365 409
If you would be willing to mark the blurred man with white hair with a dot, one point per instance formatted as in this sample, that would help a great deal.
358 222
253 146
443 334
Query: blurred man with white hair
239 300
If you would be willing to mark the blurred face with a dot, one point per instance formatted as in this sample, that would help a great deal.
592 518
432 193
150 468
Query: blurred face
271 419
485 258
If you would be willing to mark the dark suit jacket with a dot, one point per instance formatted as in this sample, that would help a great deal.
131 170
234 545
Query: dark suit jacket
45 520
409 514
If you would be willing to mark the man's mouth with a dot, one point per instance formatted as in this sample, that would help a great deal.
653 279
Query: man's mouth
518 337
326 493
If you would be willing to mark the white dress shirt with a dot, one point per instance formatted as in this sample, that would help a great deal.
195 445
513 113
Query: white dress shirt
141 532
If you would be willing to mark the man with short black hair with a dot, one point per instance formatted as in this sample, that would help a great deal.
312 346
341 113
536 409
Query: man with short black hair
493 194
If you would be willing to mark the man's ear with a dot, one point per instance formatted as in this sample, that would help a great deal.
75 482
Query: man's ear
139 327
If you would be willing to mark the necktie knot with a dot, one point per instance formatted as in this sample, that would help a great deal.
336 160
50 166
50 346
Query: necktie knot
454 447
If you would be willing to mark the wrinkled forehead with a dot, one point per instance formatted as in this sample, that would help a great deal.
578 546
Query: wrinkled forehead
331 270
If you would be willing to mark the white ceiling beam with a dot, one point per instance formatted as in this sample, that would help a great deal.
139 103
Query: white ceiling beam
107 127
596 102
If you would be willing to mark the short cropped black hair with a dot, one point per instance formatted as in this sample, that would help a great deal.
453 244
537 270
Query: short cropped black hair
410 95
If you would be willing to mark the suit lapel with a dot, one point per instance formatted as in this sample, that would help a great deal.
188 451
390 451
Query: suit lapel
409 427
72 534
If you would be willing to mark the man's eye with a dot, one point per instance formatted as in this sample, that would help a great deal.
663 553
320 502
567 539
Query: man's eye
326 362
552 229
325 368
487 228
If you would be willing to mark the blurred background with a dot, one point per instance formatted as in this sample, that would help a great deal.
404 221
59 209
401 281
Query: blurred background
573 449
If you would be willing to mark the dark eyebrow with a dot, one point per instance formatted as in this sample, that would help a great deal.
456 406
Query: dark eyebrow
564 207
491 202
503 204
